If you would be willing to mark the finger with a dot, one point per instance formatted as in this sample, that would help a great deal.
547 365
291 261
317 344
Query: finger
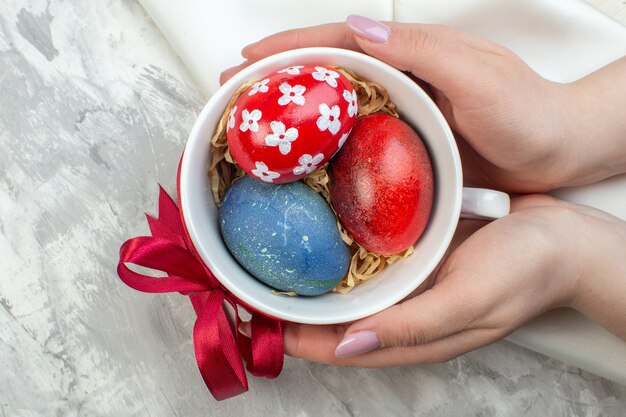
312 342
441 350
451 306
228 73
317 343
446 58
335 35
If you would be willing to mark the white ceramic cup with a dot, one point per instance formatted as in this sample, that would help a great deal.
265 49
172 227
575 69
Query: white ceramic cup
397 281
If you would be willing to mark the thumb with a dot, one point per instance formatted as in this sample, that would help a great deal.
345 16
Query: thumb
442 311
443 57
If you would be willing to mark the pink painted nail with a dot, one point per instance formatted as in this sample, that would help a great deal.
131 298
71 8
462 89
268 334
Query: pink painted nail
367 28
357 343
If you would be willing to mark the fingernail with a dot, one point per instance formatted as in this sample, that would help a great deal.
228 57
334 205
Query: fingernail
244 328
357 343
367 28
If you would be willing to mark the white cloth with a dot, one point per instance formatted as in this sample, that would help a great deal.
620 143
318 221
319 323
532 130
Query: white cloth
561 39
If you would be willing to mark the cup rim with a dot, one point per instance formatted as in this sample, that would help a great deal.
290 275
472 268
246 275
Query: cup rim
195 136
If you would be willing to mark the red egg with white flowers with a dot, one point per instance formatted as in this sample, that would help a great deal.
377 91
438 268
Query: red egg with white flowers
291 122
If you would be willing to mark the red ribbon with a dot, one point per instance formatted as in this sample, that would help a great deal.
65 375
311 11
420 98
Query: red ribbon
217 347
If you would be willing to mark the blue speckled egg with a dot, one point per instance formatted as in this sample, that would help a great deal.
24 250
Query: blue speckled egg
284 235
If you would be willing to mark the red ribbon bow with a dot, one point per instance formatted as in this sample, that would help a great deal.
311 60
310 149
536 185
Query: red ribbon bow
218 348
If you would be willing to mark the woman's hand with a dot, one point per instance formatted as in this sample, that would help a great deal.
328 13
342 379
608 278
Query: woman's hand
546 254
516 131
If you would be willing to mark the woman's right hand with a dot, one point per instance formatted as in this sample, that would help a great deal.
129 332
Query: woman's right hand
516 131
546 254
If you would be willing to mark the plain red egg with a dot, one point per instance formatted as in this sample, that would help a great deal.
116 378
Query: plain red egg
381 184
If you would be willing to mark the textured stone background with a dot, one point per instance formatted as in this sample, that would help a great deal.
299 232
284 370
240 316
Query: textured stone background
94 111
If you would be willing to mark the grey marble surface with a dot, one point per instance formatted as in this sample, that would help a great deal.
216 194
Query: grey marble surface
94 111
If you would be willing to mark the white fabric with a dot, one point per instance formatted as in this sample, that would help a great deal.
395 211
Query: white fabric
561 39
209 35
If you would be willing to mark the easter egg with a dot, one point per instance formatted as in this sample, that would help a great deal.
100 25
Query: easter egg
284 235
381 184
290 122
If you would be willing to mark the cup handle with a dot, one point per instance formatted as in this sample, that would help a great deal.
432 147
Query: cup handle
481 203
